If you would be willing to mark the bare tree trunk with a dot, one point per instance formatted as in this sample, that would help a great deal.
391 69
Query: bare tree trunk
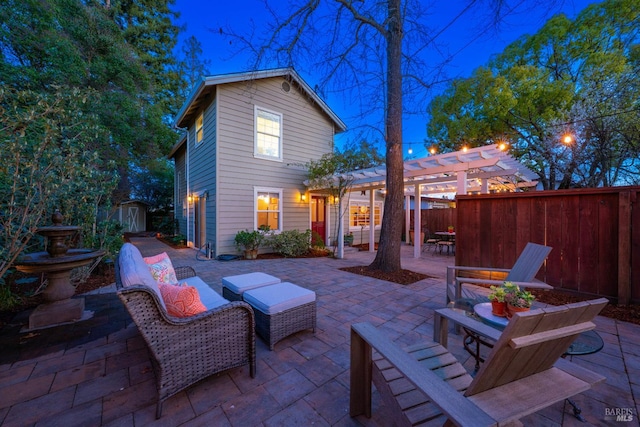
388 256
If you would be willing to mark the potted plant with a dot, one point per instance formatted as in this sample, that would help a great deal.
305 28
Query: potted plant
348 239
498 304
517 299
412 236
249 242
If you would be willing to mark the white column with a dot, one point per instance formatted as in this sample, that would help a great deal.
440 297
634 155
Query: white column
462 182
340 233
484 186
417 223
372 228
407 216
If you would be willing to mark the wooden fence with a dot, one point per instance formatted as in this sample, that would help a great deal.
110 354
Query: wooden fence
435 219
594 233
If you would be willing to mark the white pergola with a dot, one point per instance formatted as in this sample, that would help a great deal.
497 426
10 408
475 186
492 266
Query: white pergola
475 170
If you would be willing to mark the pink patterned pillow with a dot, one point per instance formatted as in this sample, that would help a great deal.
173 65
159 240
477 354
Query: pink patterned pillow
161 269
181 301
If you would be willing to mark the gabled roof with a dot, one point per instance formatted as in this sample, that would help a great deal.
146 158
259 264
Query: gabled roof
209 83
438 173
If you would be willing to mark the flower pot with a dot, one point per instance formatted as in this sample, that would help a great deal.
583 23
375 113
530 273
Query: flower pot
498 308
512 309
348 240
450 229
411 237
251 254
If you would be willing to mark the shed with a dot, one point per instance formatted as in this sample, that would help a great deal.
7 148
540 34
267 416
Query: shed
132 214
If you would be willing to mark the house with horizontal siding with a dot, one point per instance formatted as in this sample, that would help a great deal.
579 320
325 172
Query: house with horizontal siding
239 162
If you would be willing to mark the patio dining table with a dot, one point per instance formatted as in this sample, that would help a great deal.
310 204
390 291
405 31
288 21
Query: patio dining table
446 238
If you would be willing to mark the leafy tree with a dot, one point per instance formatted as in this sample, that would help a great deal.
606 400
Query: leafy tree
49 164
75 44
332 173
154 184
191 67
148 28
578 77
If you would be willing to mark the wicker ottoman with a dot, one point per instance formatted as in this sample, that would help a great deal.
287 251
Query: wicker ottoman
281 310
234 286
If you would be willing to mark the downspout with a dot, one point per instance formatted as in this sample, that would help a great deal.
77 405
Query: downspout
186 177
187 173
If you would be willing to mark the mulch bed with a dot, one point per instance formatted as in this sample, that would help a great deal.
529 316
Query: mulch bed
402 277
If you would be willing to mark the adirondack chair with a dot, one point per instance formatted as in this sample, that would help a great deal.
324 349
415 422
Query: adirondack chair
522 273
523 374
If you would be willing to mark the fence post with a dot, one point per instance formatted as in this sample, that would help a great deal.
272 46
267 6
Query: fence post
360 383
624 247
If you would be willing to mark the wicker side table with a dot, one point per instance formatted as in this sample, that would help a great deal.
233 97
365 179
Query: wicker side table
281 310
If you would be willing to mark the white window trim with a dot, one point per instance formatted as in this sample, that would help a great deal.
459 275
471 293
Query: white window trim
255 134
257 190
201 115
363 203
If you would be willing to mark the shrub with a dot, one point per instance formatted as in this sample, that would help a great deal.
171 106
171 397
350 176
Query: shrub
291 243
316 240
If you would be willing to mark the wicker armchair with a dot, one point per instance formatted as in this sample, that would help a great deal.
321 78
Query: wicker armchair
187 350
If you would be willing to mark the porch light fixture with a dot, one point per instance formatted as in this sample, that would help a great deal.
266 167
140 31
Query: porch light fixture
303 197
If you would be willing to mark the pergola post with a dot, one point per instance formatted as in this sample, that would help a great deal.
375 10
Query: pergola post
462 182
407 216
417 223
372 221
484 186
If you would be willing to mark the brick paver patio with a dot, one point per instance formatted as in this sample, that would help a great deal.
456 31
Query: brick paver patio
98 372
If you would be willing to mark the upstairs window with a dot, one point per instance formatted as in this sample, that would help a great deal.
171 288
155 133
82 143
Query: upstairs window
268 138
199 128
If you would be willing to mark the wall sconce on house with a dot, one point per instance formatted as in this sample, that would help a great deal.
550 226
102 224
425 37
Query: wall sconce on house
303 197
190 198
336 200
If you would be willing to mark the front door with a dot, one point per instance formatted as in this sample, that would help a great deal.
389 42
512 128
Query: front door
318 212
200 212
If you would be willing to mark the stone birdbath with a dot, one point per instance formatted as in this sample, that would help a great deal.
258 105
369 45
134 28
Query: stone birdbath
57 263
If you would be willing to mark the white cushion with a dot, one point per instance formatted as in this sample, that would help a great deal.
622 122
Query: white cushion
278 298
209 297
134 271
243 282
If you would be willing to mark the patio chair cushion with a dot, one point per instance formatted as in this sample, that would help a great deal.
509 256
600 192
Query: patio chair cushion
244 282
181 301
279 297
134 271
210 298
161 268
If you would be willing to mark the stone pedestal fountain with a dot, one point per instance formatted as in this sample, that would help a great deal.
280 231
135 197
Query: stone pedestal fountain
57 263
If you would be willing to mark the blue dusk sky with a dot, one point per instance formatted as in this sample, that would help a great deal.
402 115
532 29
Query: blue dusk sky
462 38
